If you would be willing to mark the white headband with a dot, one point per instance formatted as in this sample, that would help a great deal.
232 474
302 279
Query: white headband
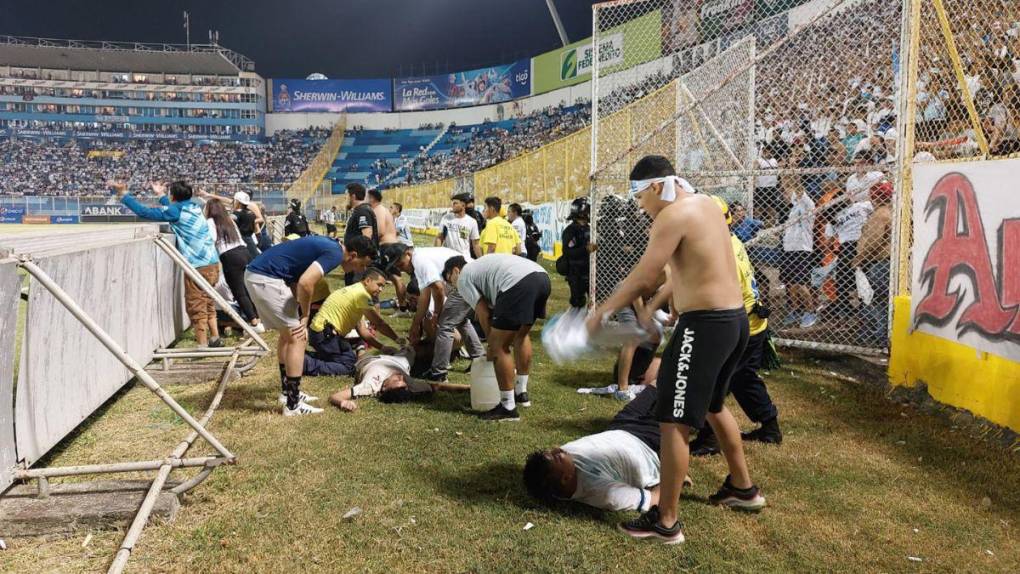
669 184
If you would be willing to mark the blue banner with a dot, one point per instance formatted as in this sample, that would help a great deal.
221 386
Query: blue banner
460 89
64 219
11 211
293 95
10 218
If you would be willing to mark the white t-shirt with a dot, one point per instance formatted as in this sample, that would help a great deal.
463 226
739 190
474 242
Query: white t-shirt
520 227
222 246
848 222
615 470
458 233
374 369
428 264
858 187
329 216
801 222
767 180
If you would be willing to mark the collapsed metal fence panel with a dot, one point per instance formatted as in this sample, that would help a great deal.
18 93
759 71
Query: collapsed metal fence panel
111 284
10 290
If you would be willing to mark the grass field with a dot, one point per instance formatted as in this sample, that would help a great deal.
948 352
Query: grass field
861 484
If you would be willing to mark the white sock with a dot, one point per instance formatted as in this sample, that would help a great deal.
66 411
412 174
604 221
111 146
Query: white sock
506 398
521 386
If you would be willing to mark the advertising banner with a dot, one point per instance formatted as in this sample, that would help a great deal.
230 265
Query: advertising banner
64 219
718 17
460 89
629 44
679 26
10 218
105 212
294 95
117 134
965 286
35 219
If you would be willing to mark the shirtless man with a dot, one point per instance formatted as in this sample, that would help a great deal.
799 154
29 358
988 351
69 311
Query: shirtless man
387 236
690 235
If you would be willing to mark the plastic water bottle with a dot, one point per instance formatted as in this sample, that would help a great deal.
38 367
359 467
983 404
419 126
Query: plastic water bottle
484 388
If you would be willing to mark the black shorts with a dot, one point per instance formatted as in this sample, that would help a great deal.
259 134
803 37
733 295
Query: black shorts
330 228
697 364
795 267
523 303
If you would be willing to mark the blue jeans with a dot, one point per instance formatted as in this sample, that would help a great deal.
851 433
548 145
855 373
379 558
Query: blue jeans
875 317
333 355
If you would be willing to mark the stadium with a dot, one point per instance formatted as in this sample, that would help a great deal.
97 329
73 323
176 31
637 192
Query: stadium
509 297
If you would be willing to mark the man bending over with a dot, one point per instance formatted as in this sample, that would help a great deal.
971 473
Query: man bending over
690 235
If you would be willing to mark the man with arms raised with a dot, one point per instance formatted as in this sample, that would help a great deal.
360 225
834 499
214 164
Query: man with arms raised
508 293
458 230
688 234
281 282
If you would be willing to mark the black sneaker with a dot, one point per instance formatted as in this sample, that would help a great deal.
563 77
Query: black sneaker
500 413
215 343
767 433
434 376
647 526
740 499
522 399
705 444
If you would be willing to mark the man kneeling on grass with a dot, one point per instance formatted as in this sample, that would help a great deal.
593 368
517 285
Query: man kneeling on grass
342 312
617 469
388 377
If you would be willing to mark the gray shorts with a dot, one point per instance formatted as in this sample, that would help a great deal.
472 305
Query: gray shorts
274 301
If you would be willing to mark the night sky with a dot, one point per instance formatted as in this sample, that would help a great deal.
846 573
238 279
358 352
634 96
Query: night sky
342 39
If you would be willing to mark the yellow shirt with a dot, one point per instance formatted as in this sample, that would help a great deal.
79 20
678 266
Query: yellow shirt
500 232
748 286
343 309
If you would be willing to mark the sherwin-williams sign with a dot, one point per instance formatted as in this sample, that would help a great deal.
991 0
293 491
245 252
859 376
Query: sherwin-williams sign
630 44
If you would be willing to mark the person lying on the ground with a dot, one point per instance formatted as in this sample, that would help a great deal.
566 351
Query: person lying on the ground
617 469
388 377
343 311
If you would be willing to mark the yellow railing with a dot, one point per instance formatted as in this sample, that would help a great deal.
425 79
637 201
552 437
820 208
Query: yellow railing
558 171
310 180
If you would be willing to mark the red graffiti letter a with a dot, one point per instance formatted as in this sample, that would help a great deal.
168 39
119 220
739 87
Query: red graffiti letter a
957 251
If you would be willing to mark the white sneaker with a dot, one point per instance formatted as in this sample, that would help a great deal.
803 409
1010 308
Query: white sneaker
260 328
625 396
303 397
301 409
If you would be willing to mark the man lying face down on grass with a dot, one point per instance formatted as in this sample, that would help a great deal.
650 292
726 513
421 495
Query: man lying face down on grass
388 377
617 469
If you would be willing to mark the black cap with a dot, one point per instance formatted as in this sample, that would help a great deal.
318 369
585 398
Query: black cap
391 254
465 197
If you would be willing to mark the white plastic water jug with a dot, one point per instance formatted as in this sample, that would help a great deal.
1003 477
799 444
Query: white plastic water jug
484 389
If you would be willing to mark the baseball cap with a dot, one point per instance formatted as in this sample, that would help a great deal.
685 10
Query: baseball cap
391 254
242 198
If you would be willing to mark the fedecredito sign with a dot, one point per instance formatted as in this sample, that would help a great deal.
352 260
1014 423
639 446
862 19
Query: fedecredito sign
966 256
580 60
295 95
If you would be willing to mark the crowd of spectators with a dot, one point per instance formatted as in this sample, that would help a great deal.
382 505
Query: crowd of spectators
49 168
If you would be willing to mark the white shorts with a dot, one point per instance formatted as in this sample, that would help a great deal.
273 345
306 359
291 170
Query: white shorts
273 299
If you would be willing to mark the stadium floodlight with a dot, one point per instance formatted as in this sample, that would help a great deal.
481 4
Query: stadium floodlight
316 76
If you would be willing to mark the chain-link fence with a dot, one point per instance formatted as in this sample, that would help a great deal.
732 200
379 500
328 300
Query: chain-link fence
786 109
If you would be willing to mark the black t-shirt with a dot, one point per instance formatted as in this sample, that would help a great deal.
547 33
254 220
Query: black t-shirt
245 222
361 217
478 217
638 418
295 223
